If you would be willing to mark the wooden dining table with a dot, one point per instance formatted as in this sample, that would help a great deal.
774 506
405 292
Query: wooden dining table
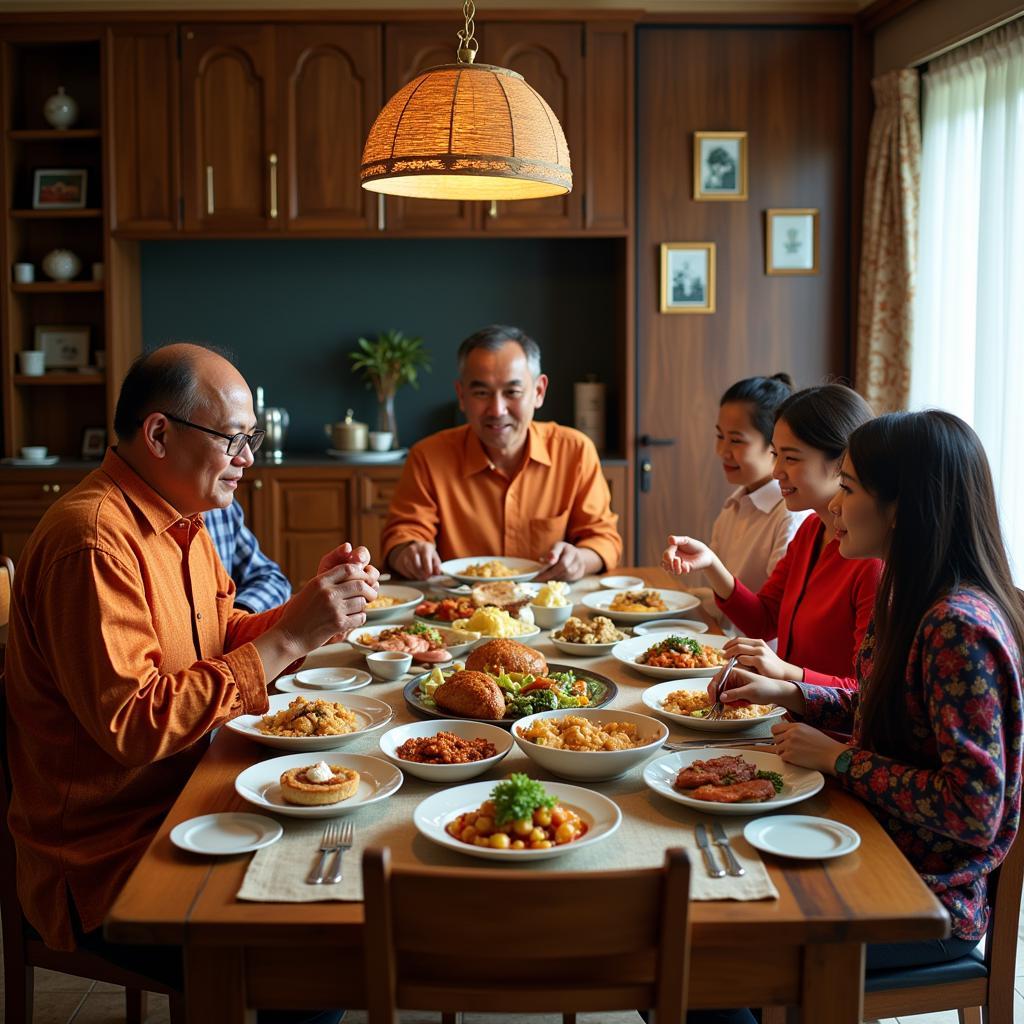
804 949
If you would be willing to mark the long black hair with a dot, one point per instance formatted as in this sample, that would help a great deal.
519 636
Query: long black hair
825 416
932 468
762 396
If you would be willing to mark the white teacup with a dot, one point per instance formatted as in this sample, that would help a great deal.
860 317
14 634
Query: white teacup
380 440
34 452
32 362
388 666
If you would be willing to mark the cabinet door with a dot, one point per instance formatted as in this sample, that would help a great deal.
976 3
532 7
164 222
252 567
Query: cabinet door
376 488
550 58
142 87
330 92
311 516
227 76
409 50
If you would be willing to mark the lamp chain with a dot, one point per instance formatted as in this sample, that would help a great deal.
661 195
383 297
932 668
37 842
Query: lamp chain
467 44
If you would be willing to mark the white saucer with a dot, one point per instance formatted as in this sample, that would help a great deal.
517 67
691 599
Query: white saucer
801 836
368 458
50 460
289 683
226 834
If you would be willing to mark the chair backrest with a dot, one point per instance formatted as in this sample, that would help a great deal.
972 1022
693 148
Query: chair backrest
450 940
12 919
1004 896
6 585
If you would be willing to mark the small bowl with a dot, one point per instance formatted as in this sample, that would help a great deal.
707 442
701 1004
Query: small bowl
668 625
592 765
621 582
550 618
467 730
327 678
389 666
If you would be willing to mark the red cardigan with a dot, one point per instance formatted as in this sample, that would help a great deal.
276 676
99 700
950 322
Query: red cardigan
819 612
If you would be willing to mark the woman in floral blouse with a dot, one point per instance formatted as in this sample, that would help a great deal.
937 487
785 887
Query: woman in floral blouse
936 741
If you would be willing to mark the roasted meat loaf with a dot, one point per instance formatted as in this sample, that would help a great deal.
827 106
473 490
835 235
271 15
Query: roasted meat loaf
472 695
497 656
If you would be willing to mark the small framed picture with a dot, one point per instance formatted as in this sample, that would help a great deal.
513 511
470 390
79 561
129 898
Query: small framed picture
59 190
688 277
719 165
94 442
66 346
791 242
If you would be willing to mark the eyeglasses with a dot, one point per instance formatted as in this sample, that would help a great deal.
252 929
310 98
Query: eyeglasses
236 442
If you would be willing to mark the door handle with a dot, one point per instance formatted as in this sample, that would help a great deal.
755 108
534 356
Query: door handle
646 441
209 190
645 475
273 186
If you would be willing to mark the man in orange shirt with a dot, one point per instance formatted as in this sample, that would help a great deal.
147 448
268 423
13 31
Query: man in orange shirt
503 484
125 650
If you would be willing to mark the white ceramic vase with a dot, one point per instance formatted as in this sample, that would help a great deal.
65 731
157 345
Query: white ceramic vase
61 264
60 110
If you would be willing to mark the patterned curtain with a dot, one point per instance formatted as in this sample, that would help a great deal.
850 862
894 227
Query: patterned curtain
889 247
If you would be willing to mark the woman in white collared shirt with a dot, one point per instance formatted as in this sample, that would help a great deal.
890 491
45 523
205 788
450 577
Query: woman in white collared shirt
754 528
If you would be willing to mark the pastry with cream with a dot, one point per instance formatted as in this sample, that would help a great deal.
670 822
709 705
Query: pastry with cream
318 784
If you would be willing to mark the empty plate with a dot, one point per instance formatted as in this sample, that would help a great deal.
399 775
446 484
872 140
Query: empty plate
801 836
327 678
226 833
291 684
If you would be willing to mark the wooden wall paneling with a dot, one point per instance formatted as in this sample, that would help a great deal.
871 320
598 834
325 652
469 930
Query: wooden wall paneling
143 128
789 89
606 175
228 111
550 58
410 49
329 81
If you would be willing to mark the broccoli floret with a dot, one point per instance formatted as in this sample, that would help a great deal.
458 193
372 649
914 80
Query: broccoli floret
543 700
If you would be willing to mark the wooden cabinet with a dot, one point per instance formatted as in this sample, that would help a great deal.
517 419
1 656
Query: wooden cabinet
25 496
145 114
374 493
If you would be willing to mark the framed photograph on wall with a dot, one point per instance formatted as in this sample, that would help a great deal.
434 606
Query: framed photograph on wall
94 442
59 189
66 346
687 277
719 165
791 241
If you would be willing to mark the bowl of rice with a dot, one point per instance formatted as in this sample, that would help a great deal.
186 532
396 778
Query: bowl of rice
686 701
587 638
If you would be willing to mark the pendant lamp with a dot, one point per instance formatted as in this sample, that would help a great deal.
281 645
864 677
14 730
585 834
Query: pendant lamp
467 131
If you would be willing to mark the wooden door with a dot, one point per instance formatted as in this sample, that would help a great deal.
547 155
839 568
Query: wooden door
409 50
550 57
228 130
142 90
329 88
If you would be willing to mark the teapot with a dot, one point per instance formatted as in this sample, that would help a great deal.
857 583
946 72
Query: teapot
348 436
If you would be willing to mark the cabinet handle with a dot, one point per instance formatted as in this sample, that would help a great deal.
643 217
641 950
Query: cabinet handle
492 210
381 223
209 189
46 488
273 186
51 488
257 485
56 488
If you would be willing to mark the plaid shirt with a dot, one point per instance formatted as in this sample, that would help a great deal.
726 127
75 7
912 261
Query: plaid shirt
260 584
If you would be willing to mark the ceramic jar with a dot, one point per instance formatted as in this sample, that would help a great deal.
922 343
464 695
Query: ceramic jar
61 264
60 110
349 436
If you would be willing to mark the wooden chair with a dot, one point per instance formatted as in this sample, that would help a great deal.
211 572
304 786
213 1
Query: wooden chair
458 940
978 986
6 586
23 949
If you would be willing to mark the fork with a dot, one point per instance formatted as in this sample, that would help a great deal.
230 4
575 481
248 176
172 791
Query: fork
715 714
329 843
344 844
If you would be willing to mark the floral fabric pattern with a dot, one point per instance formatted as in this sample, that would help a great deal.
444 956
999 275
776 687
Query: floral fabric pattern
952 803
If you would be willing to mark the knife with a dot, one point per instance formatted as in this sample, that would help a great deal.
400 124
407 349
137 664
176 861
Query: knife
705 848
722 840
736 741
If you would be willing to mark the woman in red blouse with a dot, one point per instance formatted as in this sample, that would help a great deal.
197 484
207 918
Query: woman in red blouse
815 602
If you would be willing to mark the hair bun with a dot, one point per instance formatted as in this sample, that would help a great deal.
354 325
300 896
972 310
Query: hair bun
783 378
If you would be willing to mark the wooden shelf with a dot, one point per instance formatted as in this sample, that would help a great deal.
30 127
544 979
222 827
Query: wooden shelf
51 134
41 287
61 378
54 214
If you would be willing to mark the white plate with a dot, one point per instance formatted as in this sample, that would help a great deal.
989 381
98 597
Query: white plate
676 601
524 638
522 568
676 625
226 834
801 836
798 783
290 684
433 814
368 458
654 695
370 714
408 597
621 582
50 460
260 784
326 678
583 650
627 651
456 642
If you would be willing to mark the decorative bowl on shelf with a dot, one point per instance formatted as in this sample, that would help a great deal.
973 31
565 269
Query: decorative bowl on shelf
60 110
61 264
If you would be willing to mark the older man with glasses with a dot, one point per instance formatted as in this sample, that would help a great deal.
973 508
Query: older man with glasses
125 650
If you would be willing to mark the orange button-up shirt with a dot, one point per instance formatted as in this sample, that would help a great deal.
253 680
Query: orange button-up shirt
452 496
124 652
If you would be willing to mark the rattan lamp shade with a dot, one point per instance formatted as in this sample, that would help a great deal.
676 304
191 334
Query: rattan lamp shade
467 131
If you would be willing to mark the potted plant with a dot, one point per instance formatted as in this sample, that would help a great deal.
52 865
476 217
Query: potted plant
387 362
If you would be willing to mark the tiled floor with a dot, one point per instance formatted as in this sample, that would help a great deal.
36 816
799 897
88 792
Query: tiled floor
60 999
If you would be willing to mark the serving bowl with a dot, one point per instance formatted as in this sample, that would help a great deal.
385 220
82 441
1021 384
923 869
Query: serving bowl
445 773
592 765
551 617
